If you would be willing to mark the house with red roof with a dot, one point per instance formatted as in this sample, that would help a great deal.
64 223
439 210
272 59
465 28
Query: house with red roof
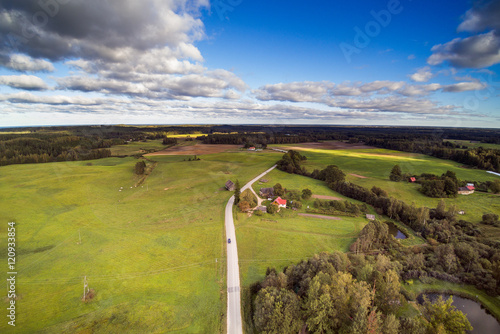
466 190
413 179
280 202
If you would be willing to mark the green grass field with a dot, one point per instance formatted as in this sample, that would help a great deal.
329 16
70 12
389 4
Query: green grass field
276 241
473 144
148 252
376 164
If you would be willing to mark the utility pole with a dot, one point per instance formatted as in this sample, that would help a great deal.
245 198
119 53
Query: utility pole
85 286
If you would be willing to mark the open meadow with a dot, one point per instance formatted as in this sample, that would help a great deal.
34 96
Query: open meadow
149 252
371 167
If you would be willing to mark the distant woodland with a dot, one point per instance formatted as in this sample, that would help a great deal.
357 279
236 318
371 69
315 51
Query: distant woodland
48 144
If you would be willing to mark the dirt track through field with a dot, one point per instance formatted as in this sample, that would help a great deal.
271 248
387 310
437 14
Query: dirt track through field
327 197
359 176
198 149
332 145
318 216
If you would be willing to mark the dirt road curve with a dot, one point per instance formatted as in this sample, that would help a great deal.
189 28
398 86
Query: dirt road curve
234 323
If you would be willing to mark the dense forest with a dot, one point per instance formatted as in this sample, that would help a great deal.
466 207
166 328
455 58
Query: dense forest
346 293
456 252
51 144
50 148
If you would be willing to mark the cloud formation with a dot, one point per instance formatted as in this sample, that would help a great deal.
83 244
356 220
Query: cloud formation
322 91
423 74
95 29
27 82
23 63
140 48
477 51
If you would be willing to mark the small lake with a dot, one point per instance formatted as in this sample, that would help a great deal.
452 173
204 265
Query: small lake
482 322
393 230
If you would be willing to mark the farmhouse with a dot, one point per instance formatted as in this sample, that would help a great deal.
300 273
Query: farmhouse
229 185
412 179
280 202
370 217
466 190
266 192
251 148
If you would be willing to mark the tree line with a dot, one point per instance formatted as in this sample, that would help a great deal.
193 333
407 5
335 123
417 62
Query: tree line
482 158
52 148
345 293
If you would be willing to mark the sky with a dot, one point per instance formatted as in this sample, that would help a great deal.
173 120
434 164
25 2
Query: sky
392 62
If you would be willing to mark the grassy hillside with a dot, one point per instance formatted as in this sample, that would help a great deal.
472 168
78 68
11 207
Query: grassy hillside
149 252
376 164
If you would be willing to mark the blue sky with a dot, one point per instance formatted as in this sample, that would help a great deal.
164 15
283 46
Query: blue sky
405 62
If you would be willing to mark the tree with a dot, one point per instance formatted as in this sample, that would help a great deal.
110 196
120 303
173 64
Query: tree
237 192
495 187
332 174
450 187
396 174
248 196
490 219
272 208
442 315
278 189
306 194
390 325
387 295
441 209
379 192
277 311
140 167
244 206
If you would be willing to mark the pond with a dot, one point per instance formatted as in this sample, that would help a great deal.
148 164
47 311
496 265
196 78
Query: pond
393 230
482 322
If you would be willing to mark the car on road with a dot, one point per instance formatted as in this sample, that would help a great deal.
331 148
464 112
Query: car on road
228 241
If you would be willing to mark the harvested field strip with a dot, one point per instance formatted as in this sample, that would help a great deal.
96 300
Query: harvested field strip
332 198
318 216
198 149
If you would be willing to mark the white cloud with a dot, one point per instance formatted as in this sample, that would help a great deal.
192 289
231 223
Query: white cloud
24 97
23 63
477 51
423 74
472 52
217 83
28 82
463 87
320 92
